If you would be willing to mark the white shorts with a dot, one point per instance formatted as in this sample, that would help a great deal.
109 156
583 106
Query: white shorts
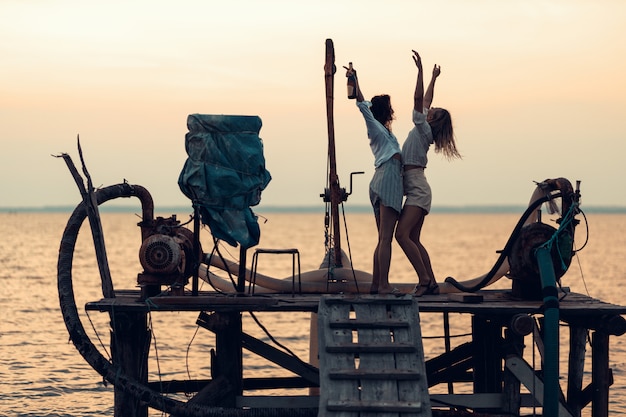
417 189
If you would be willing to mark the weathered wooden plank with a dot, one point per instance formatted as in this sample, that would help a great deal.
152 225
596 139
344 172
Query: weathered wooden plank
463 297
369 300
377 353
361 348
526 376
195 385
341 389
396 374
410 390
308 372
390 369
381 408
368 324
511 385
495 302
272 401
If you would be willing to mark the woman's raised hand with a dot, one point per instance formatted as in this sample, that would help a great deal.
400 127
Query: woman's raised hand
436 71
350 70
417 59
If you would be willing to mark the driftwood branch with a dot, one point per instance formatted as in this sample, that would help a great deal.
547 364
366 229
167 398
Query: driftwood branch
89 198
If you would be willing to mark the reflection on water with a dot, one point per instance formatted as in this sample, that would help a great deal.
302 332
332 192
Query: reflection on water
42 374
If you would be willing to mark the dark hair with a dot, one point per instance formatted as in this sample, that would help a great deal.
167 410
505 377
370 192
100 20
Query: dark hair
382 110
443 134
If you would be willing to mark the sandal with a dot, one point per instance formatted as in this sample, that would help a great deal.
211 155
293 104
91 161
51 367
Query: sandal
431 289
397 292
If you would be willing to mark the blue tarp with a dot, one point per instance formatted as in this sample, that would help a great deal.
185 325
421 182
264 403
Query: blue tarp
225 173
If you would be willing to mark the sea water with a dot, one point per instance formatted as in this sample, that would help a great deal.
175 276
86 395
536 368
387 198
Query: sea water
42 374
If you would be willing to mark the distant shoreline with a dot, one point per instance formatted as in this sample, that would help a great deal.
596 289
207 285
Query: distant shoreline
487 209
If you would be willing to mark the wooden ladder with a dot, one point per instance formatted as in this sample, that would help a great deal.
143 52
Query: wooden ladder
371 357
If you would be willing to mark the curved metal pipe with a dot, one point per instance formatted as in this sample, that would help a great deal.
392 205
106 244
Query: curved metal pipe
568 198
507 248
91 354
147 209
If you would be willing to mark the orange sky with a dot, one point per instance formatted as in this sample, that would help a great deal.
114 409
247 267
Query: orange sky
535 88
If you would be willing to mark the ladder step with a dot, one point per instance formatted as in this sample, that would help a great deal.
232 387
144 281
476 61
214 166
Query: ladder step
375 406
372 348
367 374
371 357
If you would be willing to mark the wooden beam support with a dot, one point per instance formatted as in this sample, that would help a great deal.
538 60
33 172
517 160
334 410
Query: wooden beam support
576 368
600 374
526 376
130 345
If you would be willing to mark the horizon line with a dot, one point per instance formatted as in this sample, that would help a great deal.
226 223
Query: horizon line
363 208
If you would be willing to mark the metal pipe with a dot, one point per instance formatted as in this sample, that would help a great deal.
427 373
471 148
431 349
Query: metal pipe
551 332
507 247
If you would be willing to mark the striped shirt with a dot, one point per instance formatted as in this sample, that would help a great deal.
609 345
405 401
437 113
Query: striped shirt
383 143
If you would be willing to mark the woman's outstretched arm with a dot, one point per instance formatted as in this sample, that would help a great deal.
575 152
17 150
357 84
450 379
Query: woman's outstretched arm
430 91
418 97
352 71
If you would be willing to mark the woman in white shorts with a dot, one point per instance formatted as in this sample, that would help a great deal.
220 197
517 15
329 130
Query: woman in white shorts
430 126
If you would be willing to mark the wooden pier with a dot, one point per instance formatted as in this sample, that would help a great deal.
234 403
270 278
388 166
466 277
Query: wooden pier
492 361
387 355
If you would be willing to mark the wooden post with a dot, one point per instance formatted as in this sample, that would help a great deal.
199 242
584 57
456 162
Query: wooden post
333 179
130 345
576 367
511 385
91 205
241 276
228 360
446 343
600 375
196 248
487 338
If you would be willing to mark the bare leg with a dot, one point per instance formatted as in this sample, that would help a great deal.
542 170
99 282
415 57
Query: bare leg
382 254
407 235
415 237
376 268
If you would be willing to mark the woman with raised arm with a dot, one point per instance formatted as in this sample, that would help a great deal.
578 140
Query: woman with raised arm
431 125
386 190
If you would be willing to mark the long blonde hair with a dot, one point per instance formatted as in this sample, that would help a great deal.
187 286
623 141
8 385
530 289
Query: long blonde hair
443 134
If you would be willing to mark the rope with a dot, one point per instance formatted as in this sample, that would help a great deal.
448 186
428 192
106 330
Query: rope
98 335
345 223
568 218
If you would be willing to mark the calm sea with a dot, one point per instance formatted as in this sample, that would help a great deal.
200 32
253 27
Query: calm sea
42 374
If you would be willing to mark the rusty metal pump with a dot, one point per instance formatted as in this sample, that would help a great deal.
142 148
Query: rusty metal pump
166 255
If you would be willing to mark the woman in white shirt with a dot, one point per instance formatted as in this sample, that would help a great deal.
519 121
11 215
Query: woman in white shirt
431 125
386 189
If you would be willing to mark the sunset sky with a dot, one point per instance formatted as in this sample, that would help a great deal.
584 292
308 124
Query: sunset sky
536 89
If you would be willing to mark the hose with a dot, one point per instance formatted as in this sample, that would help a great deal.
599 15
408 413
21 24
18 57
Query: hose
98 362
504 253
